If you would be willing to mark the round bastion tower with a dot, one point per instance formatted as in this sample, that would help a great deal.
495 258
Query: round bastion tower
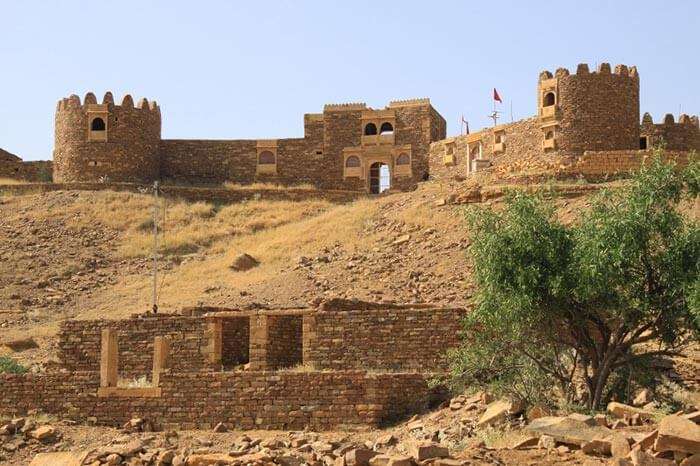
106 142
595 111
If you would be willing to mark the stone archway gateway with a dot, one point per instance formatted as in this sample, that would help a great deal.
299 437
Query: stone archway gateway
379 177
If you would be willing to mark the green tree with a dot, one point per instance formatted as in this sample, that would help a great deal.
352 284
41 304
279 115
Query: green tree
558 304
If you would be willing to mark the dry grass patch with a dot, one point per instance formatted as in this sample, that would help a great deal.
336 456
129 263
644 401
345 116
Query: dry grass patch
6 181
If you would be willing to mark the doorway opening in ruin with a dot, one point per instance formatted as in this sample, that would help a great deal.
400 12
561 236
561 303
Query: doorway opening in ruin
643 143
379 178
235 342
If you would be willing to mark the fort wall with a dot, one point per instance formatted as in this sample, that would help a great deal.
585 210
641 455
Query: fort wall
107 142
681 135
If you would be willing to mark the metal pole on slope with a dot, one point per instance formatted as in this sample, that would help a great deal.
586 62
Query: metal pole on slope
155 247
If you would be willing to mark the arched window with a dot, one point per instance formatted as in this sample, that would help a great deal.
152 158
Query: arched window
98 124
548 99
386 128
352 161
403 159
370 129
549 135
266 158
498 138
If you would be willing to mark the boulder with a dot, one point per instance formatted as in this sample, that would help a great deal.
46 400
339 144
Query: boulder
691 461
647 441
567 430
379 460
386 440
209 459
402 239
677 433
641 458
220 427
619 445
401 461
596 447
43 433
66 458
642 398
243 262
584 418
498 411
525 442
622 410
359 457
426 451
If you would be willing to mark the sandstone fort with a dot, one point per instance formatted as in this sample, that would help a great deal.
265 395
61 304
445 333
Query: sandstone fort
590 117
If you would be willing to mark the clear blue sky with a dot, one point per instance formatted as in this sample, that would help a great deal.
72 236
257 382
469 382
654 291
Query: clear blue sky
233 70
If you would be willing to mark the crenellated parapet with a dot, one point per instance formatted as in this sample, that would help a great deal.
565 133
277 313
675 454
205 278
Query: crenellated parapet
589 110
681 135
410 103
105 141
345 107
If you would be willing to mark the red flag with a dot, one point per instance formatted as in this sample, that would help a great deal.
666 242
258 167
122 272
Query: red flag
496 96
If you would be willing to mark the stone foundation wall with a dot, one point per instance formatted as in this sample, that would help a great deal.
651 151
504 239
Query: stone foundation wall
194 194
611 163
391 339
243 400
79 343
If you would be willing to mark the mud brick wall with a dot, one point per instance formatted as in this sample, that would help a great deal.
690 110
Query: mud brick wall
243 400
202 161
235 340
79 343
390 339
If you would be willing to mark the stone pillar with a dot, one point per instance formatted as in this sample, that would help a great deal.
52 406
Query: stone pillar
213 347
257 355
308 356
109 358
161 353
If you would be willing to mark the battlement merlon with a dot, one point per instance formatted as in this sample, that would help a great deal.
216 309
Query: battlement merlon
669 119
73 103
583 70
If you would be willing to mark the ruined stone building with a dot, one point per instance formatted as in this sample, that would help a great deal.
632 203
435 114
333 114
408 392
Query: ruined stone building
342 364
